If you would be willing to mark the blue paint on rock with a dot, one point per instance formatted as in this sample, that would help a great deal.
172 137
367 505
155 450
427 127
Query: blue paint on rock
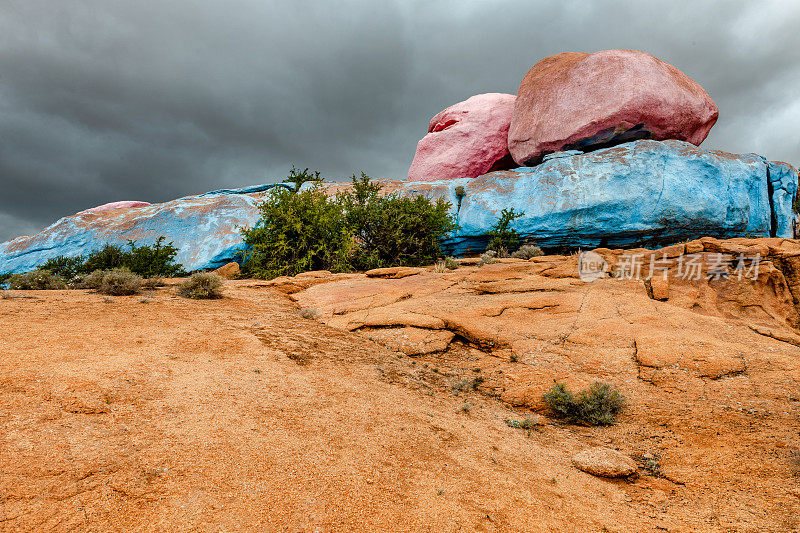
642 193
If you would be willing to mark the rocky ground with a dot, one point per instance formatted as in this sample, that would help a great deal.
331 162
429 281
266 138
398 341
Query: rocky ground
380 402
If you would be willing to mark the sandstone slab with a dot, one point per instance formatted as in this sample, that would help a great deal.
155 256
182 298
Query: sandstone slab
604 462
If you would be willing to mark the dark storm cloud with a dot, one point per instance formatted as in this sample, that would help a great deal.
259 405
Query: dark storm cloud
150 100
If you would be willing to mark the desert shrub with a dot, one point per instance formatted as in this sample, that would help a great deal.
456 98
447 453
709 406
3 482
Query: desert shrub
36 280
393 231
468 384
596 406
63 266
201 286
297 232
528 251
503 237
298 177
89 281
358 229
148 261
108 257
152 283
487 258
120 282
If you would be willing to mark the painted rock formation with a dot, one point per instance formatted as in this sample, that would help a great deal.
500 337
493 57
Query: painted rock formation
585 101
638 193
203 228
115 205
466 140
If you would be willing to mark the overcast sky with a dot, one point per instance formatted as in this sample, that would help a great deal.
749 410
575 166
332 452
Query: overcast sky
151 100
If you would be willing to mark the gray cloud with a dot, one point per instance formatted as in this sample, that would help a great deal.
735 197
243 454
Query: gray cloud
104 100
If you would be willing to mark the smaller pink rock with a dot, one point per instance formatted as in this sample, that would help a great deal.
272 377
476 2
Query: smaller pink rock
466 140
115 205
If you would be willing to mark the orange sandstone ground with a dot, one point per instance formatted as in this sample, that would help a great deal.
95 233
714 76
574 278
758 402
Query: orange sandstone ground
156 413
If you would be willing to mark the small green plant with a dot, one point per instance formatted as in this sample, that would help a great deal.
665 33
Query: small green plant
201 286
596 406
120 282
525 423
527 251
503 237
460 194
36 280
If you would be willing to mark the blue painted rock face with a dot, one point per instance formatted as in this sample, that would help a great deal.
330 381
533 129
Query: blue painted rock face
204 228
642 193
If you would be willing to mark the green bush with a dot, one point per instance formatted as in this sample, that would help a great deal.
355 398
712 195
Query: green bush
596 406
147 260
391 230
503 237
358 229
201 286
298 177
120 282
297 232
63 266
37 280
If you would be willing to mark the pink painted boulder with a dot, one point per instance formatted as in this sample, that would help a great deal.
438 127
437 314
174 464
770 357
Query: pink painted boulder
115 205
466 140
579 101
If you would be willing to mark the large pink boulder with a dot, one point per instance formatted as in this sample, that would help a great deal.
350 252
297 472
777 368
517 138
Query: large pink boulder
466 140
585 101
115 205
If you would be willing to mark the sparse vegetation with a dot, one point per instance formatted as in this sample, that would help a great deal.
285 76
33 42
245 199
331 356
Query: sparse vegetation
503 237
525 423
201 286
119 282
596 406
487 258
149 261
468 384
448 263
36 280
358 229
527 251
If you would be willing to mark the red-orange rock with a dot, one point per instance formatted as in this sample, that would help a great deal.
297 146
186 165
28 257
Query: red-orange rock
583 101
